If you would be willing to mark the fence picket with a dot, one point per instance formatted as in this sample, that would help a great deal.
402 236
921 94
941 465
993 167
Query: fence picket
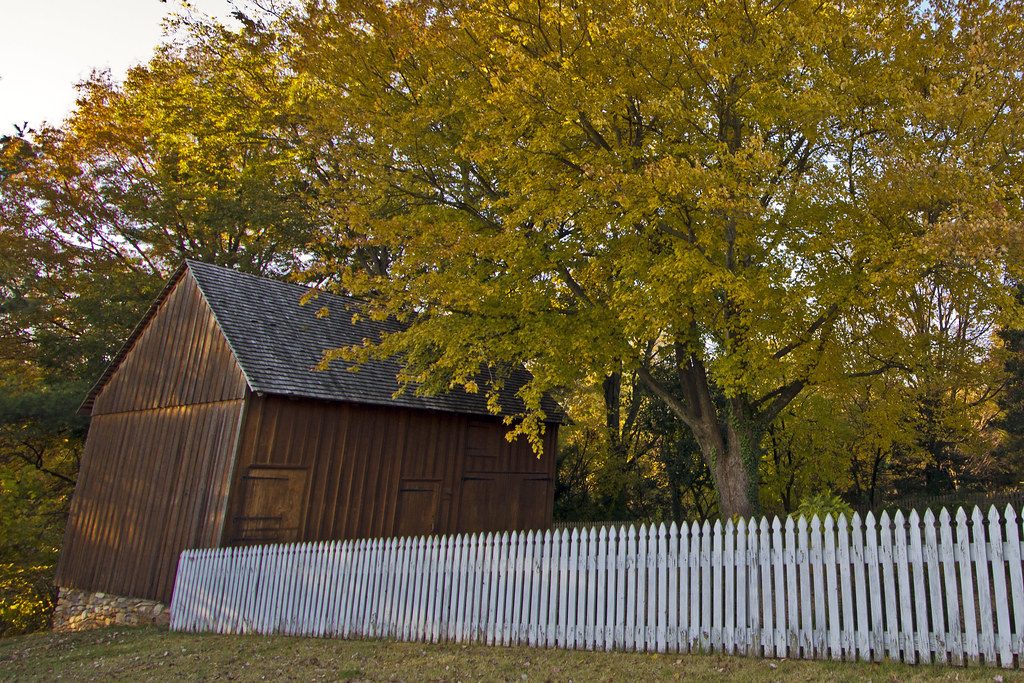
694 627
833 589
592 589
917 570
729 597
846 599
818 632
640 634
806 598
903 578
537 589
580 591
781 586
792 620
631 572
1013 558
963 558
682 639
621 571
601 635
937 632
503 586
979 553
423 589
705 587
743 589
858 558
553 554
574 585
672 610
717 597
462 590
660 567
954 637
1002 605
886 559
768 597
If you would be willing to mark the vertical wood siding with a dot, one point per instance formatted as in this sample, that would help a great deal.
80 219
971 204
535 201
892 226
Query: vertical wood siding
378 471
180 358
157 461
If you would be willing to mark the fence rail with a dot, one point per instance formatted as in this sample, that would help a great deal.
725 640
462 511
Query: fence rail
932 589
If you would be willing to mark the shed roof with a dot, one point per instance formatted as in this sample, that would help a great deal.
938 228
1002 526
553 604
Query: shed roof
277 343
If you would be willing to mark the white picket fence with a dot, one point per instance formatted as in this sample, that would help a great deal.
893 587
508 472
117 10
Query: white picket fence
908 589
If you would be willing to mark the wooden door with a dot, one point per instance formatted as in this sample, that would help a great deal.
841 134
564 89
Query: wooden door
484 504
273 499
504 501
417 507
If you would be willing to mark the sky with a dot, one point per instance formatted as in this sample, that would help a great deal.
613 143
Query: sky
46 46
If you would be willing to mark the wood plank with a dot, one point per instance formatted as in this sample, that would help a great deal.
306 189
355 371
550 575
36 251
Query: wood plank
858 559
640 578
695 569
743 588
705 628
972 651
886 559
780 589
979 553
846 598
683 561
876 587
917 569
947 550
671 604
905 606
832 587
631 573
767 562
592 560
622 570
806 598
729 596
1013 559
603 593
819 627
1001 600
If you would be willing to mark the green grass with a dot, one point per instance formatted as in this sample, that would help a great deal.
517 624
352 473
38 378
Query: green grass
150 654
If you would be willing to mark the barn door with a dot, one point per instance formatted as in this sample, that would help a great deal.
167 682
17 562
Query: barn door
417 507
272 504
504 501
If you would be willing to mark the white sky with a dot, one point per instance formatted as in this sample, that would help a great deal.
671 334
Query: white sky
46 46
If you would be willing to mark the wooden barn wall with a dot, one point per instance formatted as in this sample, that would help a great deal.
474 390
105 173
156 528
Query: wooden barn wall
151 484
181 358
156 466
312 470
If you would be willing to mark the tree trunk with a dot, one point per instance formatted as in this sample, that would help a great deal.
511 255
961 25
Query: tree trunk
729 435
733 454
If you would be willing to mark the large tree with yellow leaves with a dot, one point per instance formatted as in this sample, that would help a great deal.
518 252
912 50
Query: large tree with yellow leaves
743 193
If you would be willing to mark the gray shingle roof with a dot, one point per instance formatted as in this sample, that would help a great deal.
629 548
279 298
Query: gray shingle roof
277 342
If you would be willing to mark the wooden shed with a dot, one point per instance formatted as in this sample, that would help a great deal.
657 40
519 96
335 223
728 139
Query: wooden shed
211 427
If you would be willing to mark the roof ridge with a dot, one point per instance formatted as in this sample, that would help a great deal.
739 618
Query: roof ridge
192 263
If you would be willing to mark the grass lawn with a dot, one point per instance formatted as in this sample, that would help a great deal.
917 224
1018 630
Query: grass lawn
150 654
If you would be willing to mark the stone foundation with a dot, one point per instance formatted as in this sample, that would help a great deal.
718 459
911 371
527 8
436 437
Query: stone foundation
79 610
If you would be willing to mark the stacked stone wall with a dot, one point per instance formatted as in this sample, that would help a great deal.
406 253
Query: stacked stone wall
79 610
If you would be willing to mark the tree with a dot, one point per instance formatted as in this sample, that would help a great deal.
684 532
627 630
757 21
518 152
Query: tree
197 154
742 193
